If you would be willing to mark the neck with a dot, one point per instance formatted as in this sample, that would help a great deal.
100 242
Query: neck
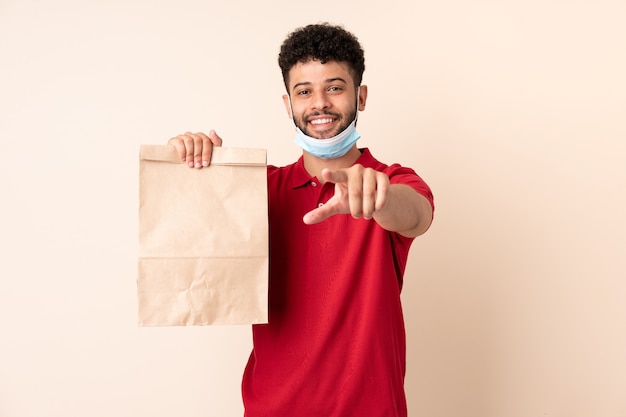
315 165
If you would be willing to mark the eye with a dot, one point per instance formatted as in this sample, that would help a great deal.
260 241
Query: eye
302 92
335 89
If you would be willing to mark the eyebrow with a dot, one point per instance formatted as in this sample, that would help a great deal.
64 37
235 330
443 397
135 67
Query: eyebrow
328 81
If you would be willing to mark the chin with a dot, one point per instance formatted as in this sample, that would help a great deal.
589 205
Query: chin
323 135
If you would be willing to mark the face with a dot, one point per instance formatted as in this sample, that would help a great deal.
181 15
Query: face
323 98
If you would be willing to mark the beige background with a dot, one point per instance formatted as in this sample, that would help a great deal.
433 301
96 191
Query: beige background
513 111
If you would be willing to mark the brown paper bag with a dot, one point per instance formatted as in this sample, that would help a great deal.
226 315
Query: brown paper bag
203 238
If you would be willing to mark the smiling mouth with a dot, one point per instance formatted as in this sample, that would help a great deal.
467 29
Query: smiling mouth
322 121
321 125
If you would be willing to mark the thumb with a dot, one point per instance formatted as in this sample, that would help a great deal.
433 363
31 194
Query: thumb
321 213
214 137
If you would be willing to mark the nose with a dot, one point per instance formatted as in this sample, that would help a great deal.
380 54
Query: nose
320 101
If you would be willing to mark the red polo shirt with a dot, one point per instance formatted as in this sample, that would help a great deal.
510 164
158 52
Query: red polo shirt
335 342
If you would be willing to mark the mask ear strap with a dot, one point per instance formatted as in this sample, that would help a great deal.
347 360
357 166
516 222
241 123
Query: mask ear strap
291 110
358 95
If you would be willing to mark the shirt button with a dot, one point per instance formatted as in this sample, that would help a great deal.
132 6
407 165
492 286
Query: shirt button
313 183
320 204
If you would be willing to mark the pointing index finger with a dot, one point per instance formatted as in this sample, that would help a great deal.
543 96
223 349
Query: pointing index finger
334 176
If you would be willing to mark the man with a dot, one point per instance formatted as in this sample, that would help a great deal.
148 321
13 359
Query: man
341 224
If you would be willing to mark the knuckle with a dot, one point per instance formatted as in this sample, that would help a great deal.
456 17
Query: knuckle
356 212
356 193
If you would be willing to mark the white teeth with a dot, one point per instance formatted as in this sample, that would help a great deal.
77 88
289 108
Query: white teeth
321 121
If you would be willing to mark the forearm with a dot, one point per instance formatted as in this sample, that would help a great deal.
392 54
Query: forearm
405 211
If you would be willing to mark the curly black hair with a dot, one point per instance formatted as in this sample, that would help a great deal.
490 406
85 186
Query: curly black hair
322 42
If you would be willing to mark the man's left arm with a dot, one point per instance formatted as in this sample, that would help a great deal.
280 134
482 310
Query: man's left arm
367 193
405 211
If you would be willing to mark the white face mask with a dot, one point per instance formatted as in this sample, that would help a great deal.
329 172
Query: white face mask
330 148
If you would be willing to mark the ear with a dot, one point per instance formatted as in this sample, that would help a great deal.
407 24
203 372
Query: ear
287 106
362 97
